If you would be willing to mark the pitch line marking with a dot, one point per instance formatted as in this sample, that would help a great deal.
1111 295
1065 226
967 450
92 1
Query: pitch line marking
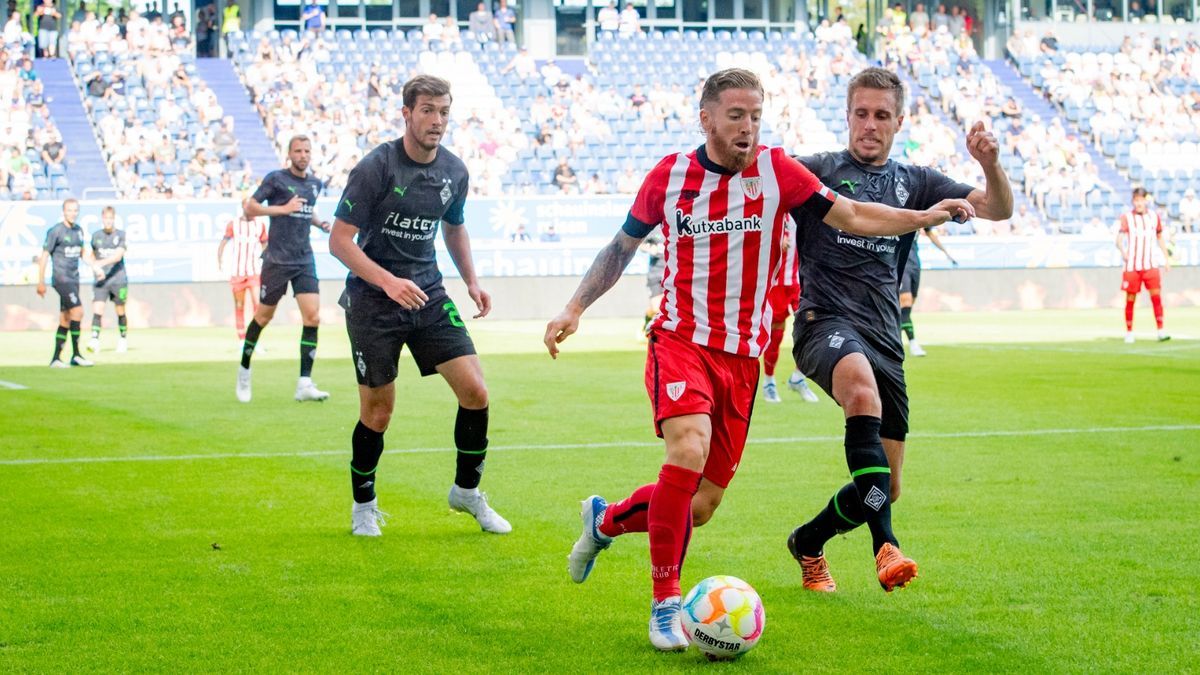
5 384
590 446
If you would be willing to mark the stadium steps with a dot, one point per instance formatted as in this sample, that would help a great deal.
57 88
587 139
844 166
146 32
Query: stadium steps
85 167
1033 102
253 143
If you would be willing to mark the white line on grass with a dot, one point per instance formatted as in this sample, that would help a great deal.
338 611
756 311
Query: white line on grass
5 384
1172 350
589 446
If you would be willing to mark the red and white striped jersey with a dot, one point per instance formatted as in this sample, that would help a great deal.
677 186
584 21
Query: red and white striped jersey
247 237
1141 232
722 242
789 274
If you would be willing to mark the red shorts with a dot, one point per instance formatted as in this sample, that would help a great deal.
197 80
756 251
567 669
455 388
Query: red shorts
1131 282
684 378
243 284
783 301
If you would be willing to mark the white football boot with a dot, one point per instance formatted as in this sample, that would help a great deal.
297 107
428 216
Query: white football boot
243 385
801 387
591 542
666 626
365 519
475 503
307 391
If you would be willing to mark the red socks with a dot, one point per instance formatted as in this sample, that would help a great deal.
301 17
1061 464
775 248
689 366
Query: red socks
669 522
771 356
1155 302
239 320
629 514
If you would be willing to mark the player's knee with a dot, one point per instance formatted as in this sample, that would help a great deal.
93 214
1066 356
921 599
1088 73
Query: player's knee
895 488
860 399
703 508
474 396
377 418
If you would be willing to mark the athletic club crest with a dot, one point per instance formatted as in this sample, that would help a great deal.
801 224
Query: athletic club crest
445 194
901 192
675 390
752 187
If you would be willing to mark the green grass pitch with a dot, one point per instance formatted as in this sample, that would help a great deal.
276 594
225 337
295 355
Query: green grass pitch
149 522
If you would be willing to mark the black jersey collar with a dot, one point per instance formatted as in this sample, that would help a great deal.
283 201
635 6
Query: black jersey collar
869 168
409 161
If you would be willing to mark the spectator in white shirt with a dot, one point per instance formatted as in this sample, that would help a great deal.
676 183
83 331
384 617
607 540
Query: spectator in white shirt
609 18
1189 212
630 21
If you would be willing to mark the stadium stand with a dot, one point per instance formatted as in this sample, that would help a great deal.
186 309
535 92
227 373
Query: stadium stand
1069 189
1137 102
342 89
161 128
33 156
531 128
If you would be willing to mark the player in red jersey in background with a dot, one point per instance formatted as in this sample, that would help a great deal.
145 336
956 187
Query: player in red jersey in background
784 298
721 210
249 239
1138 237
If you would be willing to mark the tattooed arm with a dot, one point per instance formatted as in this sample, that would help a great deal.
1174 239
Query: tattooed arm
606 269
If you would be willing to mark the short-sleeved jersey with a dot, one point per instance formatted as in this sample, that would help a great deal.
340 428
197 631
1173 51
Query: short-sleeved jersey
722 233
105 244
247 236
855 277
1141 231
397 204
65 245
290 243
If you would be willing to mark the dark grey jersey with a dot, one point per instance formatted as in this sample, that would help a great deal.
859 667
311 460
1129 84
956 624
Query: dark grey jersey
105 244
397 205
289 234
856 277
65 245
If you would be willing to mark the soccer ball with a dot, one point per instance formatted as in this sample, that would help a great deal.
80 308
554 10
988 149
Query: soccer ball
723 616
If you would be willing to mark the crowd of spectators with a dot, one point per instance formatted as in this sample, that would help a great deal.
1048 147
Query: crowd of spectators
1148 84
32 153
1045 159
346 112
162 130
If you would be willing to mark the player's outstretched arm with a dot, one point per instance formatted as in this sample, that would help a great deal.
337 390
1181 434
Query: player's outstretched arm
403 291
937 241
995 201
458 243
606 269
878 220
